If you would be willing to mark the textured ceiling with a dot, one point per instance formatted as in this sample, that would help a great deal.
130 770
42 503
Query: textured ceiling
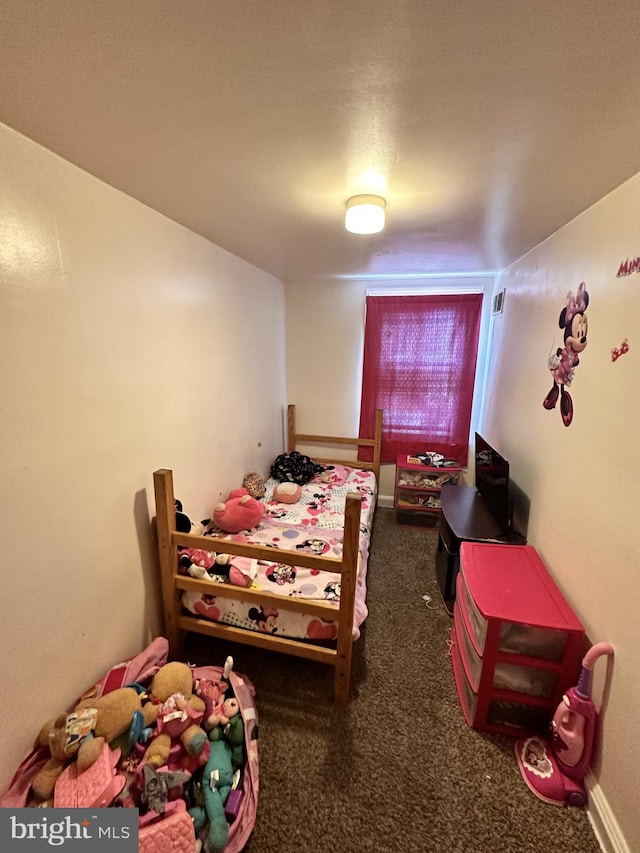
486 124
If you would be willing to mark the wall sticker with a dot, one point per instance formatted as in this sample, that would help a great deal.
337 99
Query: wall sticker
616 352
627 267
563 362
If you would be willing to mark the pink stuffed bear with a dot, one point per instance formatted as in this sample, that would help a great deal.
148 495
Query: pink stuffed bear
240 512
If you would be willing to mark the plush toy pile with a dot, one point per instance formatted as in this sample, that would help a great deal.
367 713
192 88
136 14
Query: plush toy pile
175 738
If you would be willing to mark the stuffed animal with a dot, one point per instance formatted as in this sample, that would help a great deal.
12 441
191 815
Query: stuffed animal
202 564
222 714
223 719
287 493
196 557
81 734
184 523
207 565
239 512
230 727
213 693
217 779
254 484
179 714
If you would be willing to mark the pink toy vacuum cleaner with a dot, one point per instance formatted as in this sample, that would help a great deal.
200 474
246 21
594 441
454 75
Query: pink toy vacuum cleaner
555 770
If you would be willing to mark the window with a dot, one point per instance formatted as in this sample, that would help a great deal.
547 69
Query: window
419 368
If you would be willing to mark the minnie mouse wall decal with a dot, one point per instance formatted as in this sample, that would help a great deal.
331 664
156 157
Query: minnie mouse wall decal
563 362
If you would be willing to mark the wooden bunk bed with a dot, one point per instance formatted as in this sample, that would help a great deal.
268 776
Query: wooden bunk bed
178 621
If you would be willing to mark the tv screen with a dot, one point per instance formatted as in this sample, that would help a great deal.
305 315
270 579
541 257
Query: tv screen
492 481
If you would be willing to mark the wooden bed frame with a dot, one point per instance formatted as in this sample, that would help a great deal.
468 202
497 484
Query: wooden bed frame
177 621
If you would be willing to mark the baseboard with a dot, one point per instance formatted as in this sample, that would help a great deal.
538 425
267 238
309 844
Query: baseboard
604 824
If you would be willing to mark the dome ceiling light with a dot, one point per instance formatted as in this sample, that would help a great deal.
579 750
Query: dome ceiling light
365 214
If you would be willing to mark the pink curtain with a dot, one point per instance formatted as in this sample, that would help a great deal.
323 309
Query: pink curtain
419 368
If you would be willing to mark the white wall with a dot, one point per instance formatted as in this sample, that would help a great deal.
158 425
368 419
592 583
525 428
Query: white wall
127 344
582 480
325 339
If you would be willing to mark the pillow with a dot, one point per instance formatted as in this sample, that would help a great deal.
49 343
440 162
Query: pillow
287 493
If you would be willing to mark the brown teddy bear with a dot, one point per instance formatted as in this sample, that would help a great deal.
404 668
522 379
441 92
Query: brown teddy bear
106 717
180 713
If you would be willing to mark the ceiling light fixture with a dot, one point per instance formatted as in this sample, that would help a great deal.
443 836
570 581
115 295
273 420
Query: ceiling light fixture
365 214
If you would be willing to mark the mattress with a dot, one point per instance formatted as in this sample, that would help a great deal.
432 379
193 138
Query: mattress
312 525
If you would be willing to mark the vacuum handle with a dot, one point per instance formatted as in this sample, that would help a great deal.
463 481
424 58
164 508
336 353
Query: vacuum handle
596 651
583 687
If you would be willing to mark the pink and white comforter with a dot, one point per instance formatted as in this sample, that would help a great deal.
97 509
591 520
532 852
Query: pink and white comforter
313 525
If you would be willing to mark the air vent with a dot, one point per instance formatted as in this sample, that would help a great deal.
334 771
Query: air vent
498 302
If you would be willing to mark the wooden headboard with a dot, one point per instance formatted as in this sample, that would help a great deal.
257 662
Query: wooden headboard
296 438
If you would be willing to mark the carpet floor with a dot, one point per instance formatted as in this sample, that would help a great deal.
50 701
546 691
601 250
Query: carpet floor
398 769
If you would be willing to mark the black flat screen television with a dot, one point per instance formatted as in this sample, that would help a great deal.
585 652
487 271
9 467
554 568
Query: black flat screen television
492 482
